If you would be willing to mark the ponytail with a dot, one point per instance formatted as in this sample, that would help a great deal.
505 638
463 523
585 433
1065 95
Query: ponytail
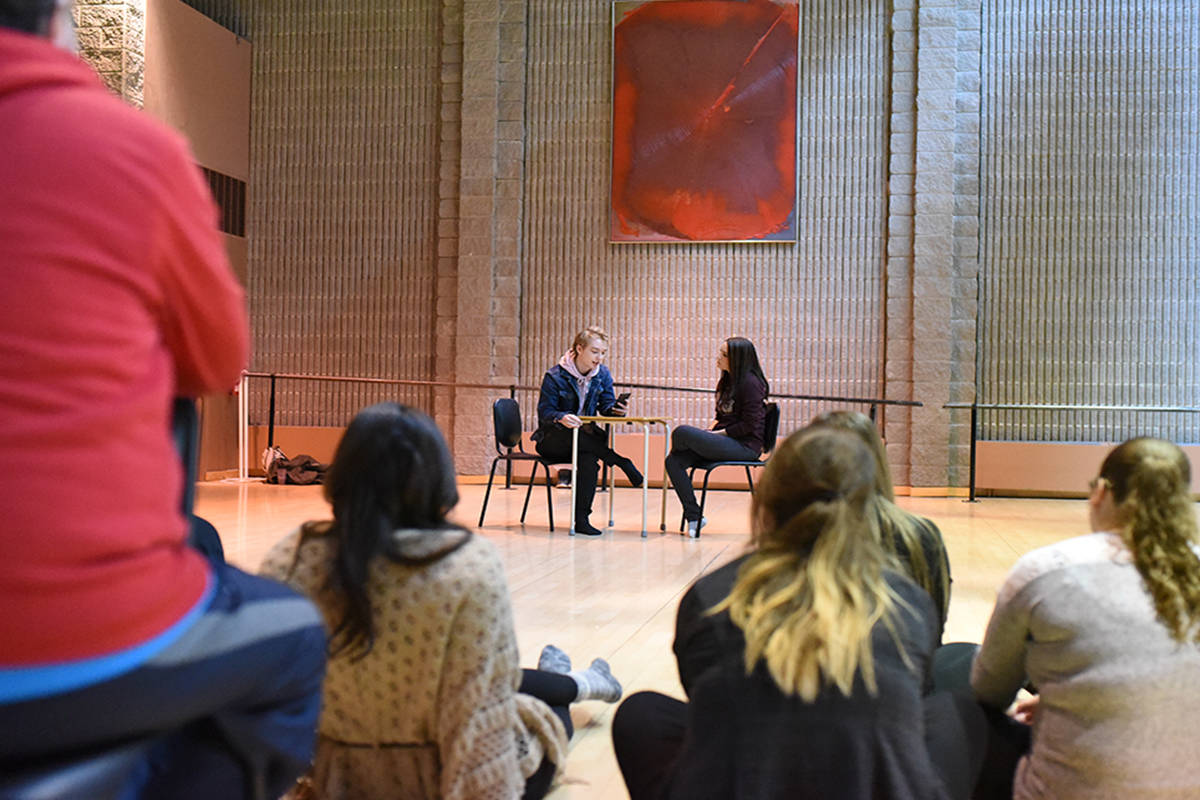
1150 481
808 598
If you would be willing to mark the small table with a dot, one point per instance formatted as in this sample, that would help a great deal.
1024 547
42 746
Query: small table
645 422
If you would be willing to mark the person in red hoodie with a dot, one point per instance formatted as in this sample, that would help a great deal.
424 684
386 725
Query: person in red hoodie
117 296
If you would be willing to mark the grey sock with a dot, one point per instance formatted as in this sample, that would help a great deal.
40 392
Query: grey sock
554 660
596 683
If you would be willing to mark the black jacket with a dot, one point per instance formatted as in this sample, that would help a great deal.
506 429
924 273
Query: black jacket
746 739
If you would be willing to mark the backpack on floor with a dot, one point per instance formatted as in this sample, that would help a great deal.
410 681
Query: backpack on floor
302 470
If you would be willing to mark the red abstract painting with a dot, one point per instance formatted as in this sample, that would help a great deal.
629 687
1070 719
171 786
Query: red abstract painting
704 121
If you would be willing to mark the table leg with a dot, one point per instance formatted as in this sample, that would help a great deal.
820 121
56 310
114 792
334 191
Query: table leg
645 466
612 480
666 484
574 480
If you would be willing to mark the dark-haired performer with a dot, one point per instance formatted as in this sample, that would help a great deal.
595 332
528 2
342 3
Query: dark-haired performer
737 435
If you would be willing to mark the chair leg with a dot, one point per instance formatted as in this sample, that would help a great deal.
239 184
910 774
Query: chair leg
528 491
750 480
488 493
703 497
549 496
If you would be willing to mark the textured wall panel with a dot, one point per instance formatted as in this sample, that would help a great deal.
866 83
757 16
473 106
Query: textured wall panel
1090 214
814 309
229 13
343 200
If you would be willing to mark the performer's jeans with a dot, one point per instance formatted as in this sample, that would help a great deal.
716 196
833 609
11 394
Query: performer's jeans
691 446
593 448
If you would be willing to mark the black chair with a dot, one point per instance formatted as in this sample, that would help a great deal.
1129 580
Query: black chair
770 434
506 419
113 773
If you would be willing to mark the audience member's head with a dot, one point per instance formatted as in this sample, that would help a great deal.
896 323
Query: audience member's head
814 480
1144 493
47 18
807 599
899 531
391 471
27 16
862 427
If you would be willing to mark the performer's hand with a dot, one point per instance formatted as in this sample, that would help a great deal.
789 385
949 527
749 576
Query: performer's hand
570 420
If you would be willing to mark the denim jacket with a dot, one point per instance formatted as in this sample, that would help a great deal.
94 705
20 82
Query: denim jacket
560 396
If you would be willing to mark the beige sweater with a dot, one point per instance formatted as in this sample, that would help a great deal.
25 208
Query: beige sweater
432 711
1120 698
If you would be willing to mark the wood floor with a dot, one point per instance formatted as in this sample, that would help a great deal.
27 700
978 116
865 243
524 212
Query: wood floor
615 596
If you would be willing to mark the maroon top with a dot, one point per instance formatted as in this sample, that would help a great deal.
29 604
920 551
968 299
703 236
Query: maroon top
748 417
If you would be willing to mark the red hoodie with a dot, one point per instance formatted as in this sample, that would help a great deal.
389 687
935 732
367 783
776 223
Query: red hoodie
115 295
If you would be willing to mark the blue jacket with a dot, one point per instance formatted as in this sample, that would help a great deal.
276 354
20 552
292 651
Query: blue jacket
560 396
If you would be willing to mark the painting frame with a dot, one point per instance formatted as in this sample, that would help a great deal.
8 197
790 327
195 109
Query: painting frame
704 126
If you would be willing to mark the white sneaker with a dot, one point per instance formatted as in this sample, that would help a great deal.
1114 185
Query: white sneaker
694 526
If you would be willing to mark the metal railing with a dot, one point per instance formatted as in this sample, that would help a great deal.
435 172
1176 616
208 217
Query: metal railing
873 403
977 407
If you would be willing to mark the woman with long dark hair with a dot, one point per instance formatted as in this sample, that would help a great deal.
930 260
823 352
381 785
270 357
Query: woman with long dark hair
737 433
1106 627
423 694
804 660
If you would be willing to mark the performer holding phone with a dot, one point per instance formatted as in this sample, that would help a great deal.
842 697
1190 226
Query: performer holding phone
580 385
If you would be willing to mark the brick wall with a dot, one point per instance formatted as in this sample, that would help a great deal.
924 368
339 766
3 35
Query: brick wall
879 297
112 38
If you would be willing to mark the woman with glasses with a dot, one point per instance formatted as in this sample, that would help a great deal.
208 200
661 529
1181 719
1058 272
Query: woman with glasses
1106 628
737 433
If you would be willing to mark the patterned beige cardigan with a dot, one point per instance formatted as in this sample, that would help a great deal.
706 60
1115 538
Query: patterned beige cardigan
432 711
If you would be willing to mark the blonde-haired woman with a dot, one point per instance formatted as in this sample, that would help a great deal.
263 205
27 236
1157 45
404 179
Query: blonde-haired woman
916 542
1106 626
804 660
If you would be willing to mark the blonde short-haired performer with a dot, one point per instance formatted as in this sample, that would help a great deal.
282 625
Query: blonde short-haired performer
579 385
1106 627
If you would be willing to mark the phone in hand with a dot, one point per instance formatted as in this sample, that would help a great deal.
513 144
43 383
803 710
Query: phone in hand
623 398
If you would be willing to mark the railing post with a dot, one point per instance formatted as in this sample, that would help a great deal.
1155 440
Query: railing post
971 475
243 430
271 415
874 410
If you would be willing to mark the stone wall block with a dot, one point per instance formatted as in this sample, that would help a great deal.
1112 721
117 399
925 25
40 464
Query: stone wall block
938 37
901 205
932 16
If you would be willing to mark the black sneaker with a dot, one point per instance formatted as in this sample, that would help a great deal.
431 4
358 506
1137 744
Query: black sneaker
632 473
584 528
